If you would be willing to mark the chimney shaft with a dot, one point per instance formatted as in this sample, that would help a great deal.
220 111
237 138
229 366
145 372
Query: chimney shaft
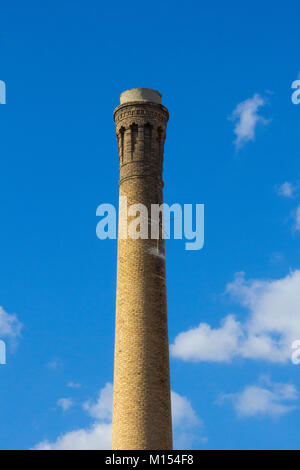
142 405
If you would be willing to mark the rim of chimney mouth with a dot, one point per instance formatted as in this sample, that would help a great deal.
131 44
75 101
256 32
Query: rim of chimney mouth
140 94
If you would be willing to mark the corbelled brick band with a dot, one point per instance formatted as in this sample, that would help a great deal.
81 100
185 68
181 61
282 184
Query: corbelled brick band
142 405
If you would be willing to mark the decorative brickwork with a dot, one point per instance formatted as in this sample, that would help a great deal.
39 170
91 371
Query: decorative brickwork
142 408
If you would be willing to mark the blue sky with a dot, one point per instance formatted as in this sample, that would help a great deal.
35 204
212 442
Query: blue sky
225 71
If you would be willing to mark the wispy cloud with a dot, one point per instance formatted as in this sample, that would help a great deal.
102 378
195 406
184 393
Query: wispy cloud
272 399
73 385
287 189
10 326
272 324
182 412
246 117
276 257
55 363
95 437
291 190
102 409
65 403
188 427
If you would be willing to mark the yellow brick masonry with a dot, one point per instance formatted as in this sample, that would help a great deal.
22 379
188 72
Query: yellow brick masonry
141 405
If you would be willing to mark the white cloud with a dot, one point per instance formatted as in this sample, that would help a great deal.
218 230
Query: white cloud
246 117
102 409
287 190
183 414
65 403
271 399
272 324
297 219
95 437
10 326
209 344
187 426
98 435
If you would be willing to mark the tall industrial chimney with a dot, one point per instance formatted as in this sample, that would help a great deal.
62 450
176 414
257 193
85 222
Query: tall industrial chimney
142 405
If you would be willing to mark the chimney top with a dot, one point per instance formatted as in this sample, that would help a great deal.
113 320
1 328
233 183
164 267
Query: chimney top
140 94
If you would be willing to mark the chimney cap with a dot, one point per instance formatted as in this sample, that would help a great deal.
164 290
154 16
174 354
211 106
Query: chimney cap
140 94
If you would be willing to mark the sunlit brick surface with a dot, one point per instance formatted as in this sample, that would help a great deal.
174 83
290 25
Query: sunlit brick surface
142 408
